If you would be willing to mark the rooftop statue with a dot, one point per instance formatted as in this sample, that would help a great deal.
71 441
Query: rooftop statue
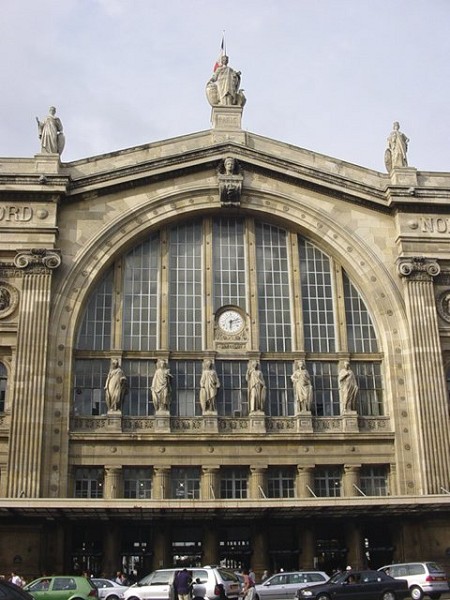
395 155
223 87
51 133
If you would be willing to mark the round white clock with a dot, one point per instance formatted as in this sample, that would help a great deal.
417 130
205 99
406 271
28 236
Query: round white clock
231 321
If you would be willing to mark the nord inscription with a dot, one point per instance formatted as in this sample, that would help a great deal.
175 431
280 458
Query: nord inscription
16 213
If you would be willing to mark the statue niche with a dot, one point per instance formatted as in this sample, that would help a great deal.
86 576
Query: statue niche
230 182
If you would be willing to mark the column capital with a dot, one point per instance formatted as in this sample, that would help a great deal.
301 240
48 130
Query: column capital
37 257
418 268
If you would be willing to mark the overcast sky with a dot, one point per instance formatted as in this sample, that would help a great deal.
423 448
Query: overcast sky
326 75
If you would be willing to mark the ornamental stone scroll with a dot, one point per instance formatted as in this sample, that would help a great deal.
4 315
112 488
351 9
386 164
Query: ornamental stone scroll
418 268
51 259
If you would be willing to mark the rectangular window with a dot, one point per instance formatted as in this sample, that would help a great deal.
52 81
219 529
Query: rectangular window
325 388
317 297
233 483
88 483
138 400
370 393
228 263
185 287
140 298
233 401
280 397
281 482
272 270
186 384
327 482
137 483
3 385
185 483
88 387
373 480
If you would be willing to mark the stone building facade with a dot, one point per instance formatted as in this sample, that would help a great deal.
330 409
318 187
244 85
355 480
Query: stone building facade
269 264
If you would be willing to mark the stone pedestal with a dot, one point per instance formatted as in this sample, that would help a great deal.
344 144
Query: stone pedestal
47 164
257 421
114 420
304 422
162 421
226 123
210 422
350 421
404 176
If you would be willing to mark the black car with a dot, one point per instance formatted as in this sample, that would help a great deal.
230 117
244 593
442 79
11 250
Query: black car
9 591
357 585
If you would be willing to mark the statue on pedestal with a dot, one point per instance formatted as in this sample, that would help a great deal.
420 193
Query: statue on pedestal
161 386
223 87
348 388
115 387
303 390
209 385
51 133
395 154
256 388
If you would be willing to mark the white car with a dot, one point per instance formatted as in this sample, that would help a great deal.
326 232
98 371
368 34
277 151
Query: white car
285 585
108 589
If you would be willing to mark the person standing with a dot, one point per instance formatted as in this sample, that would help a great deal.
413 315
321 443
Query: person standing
183 584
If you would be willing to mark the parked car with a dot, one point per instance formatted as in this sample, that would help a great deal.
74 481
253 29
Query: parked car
357 585
10 591
159 584
286 584
108 589
424 578
62 587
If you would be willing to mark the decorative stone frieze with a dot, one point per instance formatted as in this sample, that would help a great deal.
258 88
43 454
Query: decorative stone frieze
9 299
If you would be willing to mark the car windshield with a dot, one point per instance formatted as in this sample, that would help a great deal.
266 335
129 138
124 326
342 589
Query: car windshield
337 578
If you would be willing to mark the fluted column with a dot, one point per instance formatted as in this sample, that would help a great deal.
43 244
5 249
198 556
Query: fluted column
304 481
351 480
113 482
257 487
431 395
27 405
161 481
209 485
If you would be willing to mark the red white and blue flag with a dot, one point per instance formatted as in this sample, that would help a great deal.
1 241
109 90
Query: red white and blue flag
222 53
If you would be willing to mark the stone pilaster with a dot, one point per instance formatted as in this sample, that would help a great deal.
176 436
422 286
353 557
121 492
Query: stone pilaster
351 480
427 369
113 482
161 482
354 543
28 389
209 485
257 484
304 480
211 545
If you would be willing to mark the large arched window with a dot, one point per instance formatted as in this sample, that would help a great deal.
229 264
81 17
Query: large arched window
164 295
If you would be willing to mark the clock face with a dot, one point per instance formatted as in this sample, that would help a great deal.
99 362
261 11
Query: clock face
231 321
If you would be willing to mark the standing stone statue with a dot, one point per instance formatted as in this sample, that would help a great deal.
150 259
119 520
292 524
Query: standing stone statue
161 386
348 388
51 133
115 386
303 389
395 155
209 385
223 87
256 387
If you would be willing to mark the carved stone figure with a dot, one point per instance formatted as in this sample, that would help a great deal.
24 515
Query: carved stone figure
303 389
115 386
395 155
5 298
256 387
209 385
230 182
51 133
161 386
348 388
223 87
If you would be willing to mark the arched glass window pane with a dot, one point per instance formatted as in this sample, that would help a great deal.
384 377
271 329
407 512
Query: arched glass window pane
360 332
186 384
280 397
95 330
228 263
232 396
370 394
88 387
317 295
3 386
273 289
140 296
185 287
138 401
324 378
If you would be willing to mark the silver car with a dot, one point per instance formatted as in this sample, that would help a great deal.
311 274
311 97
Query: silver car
209 583
424 578
108 589
285 585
